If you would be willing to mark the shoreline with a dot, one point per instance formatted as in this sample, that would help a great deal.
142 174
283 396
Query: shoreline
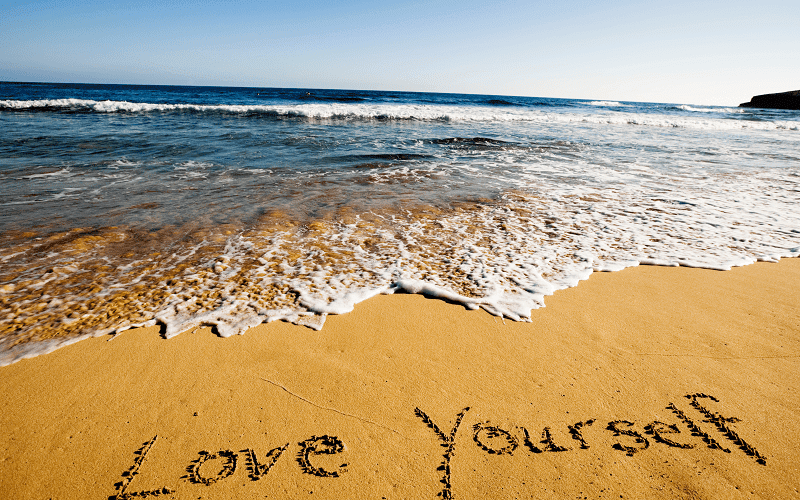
281 408
320 312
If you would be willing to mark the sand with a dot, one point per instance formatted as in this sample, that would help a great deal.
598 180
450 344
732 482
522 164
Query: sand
409 397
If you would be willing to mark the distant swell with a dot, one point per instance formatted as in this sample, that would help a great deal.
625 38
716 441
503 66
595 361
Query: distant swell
332 99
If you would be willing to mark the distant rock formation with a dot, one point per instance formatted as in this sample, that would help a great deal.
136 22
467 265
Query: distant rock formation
782 100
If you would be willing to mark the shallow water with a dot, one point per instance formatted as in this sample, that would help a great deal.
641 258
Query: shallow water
126 205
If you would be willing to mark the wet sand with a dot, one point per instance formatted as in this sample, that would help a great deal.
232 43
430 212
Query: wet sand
409 397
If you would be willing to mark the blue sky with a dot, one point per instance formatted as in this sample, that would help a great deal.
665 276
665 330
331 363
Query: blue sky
702 52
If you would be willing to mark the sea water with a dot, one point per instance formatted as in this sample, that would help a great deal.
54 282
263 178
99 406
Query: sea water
187 206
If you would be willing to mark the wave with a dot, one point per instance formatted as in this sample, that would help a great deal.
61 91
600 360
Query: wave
401 112
686 107
610 104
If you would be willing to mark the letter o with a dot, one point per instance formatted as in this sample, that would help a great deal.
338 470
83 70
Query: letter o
228 467
491 432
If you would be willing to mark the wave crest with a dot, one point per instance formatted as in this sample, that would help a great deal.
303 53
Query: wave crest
404 112
610 104
697 109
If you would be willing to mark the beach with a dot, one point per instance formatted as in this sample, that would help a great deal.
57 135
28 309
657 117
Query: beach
650 382
235 292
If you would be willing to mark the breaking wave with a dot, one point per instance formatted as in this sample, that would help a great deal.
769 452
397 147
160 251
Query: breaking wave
611 104
405 112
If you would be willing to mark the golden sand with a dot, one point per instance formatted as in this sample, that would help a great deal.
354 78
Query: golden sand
408 397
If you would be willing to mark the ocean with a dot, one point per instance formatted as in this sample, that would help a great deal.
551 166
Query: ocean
127 205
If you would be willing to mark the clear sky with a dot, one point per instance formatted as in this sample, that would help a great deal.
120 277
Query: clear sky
698 52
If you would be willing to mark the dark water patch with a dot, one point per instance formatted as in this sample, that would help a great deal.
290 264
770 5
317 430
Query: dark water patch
312 97
476 143
547 104
558 146
501 102
43 146
146 206
62 109
468 141
389 157
29 140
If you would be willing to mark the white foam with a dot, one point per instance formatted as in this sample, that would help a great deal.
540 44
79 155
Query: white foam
343 303
613 104
63 171
67 193
125 163
696 109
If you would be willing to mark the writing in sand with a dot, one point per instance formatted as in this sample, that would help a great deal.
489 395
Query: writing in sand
208 468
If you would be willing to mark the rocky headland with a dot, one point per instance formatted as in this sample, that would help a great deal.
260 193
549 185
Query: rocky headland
781 100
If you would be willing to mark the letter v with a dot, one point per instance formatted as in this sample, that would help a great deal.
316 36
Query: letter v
255 469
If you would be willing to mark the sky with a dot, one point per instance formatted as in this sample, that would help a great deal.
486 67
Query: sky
699 52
